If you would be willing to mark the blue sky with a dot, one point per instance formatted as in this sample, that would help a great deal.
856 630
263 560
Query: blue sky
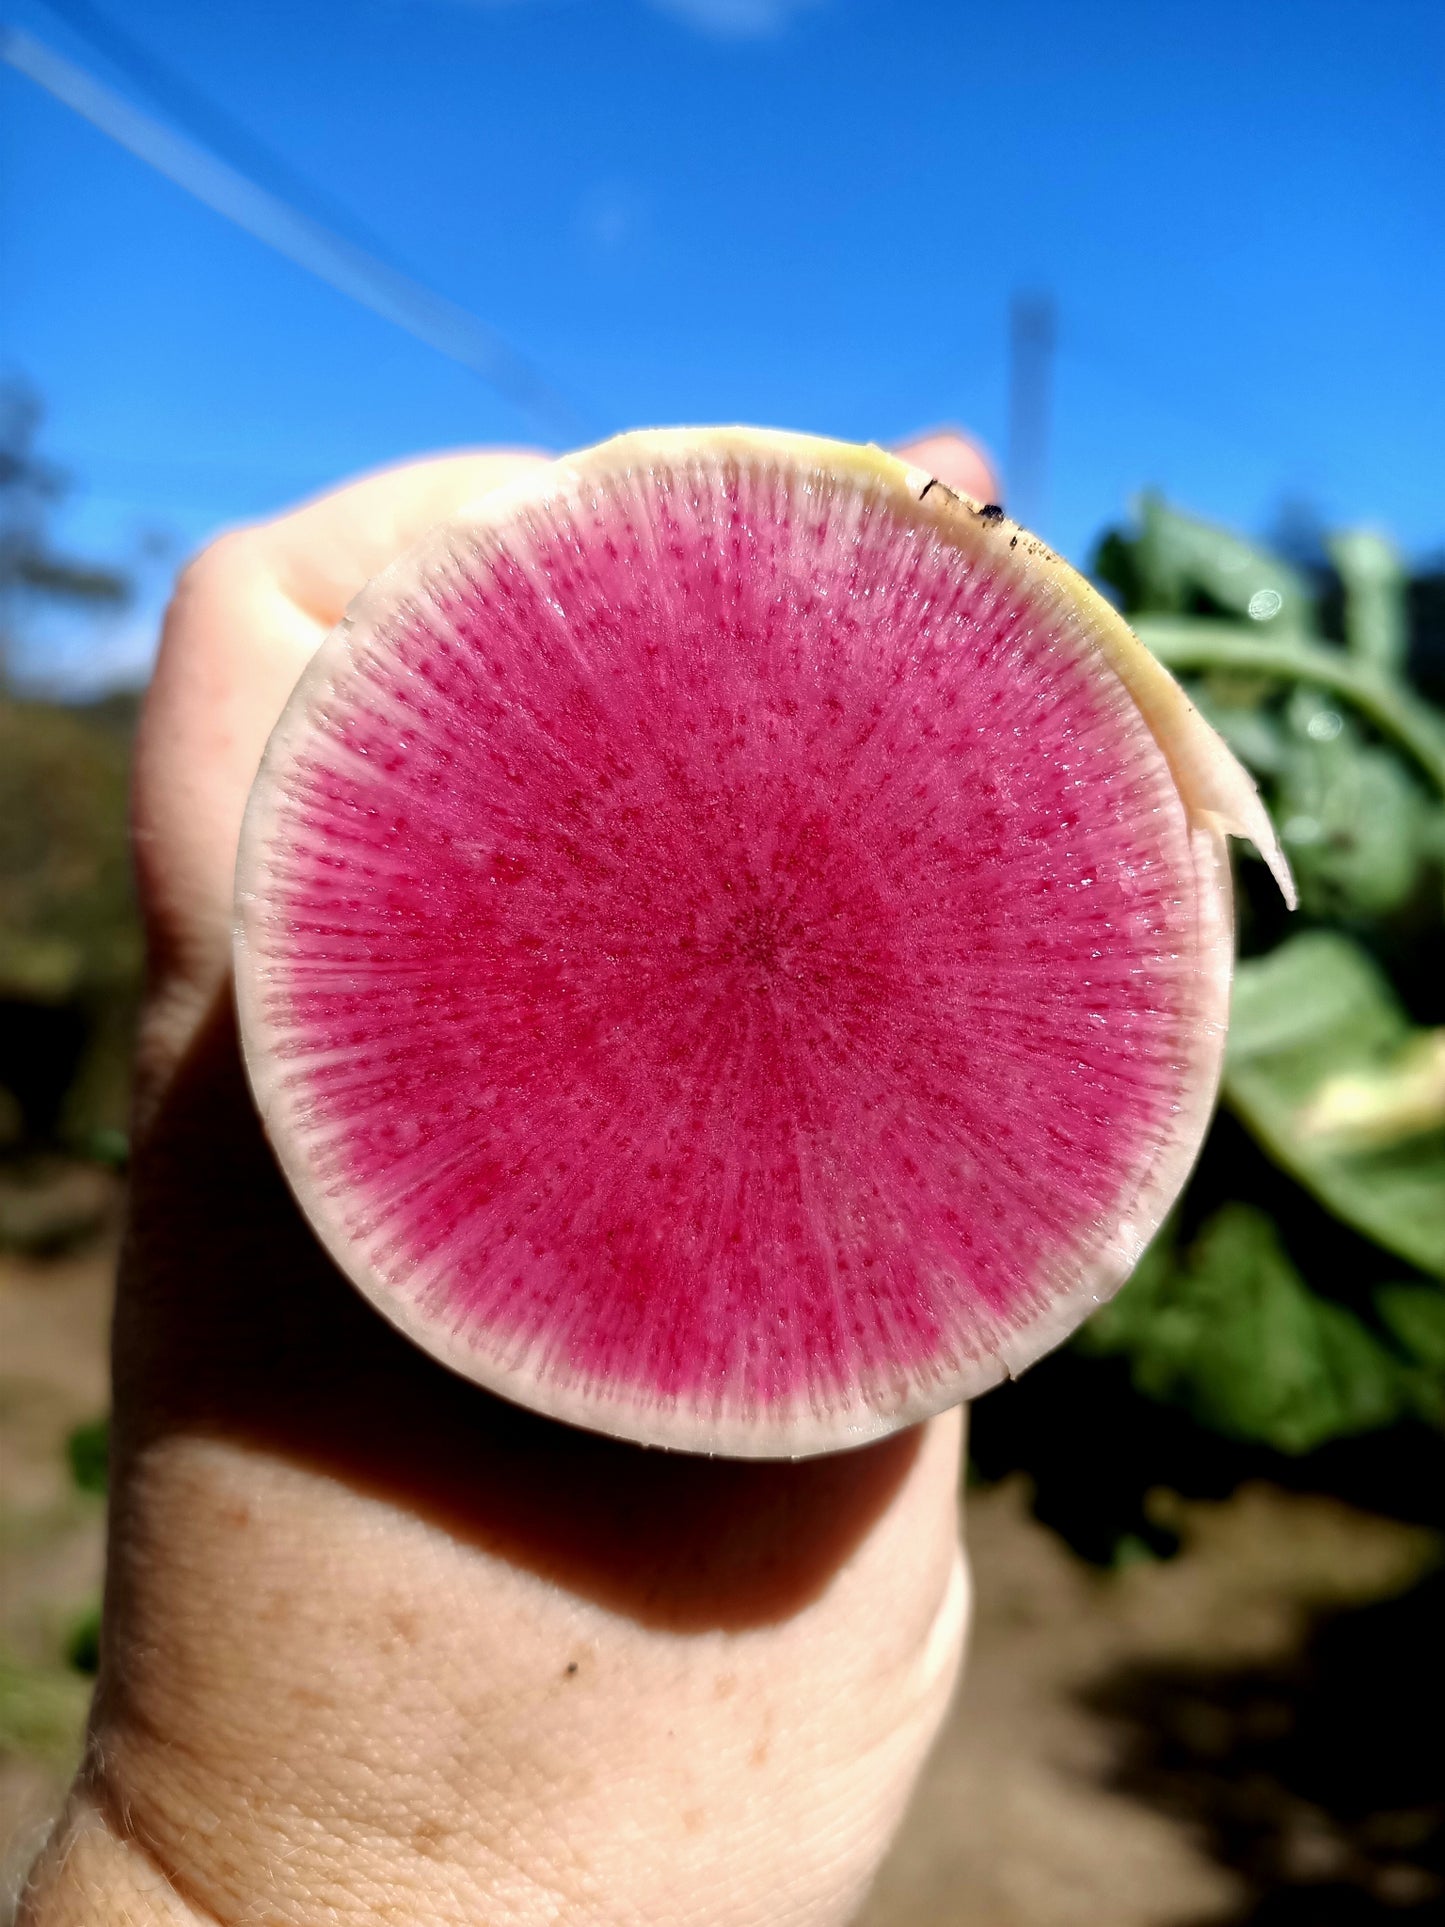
803 212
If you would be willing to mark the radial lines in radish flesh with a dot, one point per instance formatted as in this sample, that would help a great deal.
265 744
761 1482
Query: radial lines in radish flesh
729 952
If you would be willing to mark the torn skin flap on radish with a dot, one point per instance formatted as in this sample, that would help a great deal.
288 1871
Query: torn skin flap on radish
733 943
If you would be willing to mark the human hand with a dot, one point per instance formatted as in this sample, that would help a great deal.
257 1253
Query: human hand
378 1646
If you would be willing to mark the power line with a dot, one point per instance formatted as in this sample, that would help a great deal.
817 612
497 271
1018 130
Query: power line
185 106
352 270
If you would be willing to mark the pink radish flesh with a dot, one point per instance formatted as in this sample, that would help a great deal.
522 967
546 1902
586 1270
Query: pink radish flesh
727 948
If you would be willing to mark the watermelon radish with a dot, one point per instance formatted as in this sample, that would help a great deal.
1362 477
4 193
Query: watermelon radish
734 942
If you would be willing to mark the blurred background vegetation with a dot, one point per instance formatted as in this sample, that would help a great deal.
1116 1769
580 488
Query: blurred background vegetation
1289 1321
70 954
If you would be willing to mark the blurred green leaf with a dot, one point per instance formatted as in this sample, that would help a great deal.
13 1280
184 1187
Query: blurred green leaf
1415 1315
1236 707
66 898
82 1641
1193 645
42 1709
1373 579
1313 1010
1231 1332
108 1146
41 968
1386 1103
88 1451
1351 817
70 941
1177 559
1319 677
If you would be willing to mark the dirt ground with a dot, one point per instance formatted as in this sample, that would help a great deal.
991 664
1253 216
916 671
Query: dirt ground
53 1320
1173 1743
1122 1751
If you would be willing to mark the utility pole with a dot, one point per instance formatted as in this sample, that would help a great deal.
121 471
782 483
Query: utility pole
1033 330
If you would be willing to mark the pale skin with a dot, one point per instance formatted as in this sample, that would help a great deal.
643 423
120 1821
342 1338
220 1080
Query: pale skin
378 1647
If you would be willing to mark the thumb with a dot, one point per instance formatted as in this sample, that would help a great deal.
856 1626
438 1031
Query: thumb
955 460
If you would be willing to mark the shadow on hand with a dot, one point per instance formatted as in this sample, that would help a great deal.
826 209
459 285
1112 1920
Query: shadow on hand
231 1321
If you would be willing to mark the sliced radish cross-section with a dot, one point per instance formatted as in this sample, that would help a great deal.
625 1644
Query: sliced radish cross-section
734 943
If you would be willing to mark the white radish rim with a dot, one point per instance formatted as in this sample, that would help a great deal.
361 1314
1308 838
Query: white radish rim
1216 795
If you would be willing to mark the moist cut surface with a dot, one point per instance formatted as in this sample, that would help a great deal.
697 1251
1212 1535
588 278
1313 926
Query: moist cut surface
726 953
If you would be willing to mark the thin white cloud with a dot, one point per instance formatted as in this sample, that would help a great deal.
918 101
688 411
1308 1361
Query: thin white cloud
611 218
721 19
736 19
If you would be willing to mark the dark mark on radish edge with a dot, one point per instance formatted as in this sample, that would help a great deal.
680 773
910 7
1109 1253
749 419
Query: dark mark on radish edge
934 482
990 512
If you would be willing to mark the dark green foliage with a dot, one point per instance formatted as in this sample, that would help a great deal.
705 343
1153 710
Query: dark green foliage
42 1708
70 952
1273 1329
1327 1071
1229 1331
70 946
82 1642
88 1451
